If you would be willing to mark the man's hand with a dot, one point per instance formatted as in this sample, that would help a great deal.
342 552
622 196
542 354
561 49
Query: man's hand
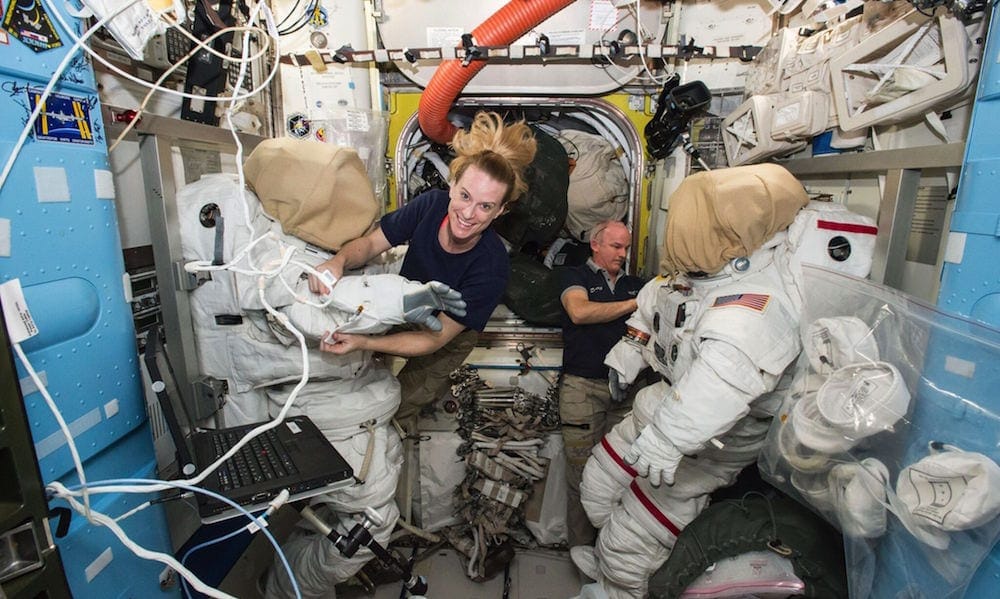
617 386
422 300
332 267
653 457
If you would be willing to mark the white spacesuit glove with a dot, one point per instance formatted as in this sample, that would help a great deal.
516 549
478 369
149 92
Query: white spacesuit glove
422 300
653 457
617 385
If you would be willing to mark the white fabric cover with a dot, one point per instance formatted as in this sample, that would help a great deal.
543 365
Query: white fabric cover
800 115
901 71
765 71
550 526
746 132
441 472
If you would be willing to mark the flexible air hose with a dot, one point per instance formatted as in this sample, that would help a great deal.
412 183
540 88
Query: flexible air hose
514 20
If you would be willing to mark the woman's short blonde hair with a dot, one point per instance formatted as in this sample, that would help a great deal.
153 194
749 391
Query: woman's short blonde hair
500 149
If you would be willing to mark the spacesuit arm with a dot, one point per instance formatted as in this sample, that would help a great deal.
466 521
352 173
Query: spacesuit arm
714 393
626 357
370 304
354 254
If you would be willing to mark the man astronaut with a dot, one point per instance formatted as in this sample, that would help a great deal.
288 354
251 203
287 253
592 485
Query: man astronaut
720 332
257 326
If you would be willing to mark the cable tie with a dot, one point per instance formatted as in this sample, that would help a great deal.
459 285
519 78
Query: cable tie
472 51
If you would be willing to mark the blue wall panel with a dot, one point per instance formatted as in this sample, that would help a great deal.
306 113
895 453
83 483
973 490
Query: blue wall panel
64 248
970 284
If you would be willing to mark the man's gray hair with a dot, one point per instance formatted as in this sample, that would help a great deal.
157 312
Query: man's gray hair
599 228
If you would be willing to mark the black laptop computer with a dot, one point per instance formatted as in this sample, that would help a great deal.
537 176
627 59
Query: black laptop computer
294 455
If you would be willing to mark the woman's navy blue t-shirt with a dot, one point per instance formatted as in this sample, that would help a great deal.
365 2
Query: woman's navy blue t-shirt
480 274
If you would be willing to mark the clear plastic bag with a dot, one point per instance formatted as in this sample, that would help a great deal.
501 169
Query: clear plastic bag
896 444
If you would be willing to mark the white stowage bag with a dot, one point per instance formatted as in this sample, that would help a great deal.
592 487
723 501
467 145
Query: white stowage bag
134 26
598 188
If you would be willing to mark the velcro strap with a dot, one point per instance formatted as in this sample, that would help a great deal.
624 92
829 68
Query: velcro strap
634 334
498 491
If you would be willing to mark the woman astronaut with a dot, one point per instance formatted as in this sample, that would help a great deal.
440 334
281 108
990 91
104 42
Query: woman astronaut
720 332
257 326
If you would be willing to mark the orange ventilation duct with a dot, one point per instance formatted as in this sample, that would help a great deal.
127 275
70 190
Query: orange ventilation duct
506 25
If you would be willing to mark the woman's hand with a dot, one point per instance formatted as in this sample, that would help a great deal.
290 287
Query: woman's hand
332 266
341 343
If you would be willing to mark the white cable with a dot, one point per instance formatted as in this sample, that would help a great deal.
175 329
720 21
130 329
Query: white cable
642 57
141 486
77 462
142 82
243 60
137 549
235 98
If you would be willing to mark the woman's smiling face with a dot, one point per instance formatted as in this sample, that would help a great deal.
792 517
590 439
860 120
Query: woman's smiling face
476 200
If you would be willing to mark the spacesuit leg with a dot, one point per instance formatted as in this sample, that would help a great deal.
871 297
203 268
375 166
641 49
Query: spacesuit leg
354 414
318 565
606 475
642 530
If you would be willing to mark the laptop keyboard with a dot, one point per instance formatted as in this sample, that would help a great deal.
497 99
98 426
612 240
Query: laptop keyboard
264 458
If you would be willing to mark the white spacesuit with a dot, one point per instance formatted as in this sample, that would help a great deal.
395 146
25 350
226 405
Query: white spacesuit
250 306
720 342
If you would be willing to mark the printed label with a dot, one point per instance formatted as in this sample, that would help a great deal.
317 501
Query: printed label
937 495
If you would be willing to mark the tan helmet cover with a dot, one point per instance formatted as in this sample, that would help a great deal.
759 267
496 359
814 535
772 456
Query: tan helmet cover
715 216
319 192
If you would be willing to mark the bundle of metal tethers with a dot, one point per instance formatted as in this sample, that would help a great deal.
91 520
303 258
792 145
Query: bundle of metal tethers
504 430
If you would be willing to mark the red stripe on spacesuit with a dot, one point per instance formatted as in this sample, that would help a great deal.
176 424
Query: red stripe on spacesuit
617 458
829 225
648 504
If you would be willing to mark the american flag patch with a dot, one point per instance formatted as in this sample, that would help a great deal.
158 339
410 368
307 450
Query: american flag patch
754 301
